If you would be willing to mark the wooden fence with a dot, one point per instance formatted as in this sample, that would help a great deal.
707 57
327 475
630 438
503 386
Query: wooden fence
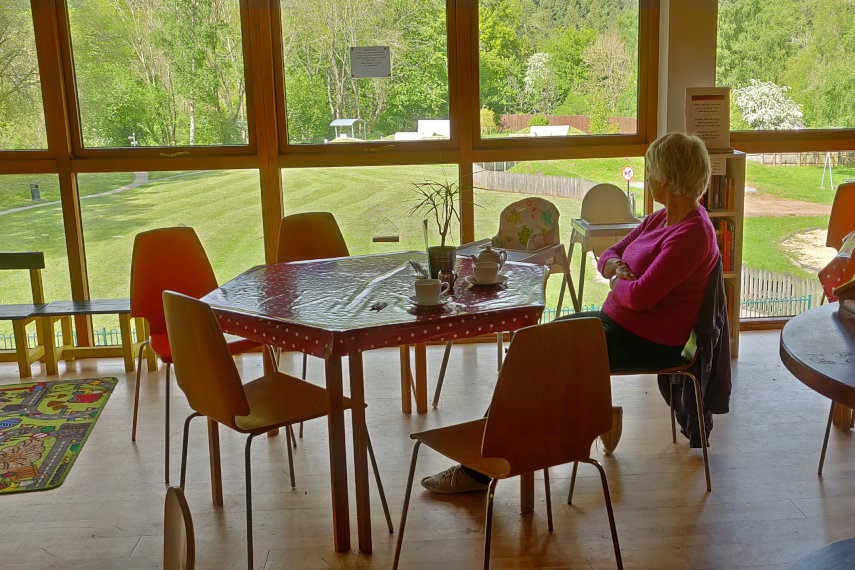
771 294
532 184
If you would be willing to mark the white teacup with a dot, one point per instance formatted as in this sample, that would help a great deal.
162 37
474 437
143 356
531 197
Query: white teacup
428 291
486 272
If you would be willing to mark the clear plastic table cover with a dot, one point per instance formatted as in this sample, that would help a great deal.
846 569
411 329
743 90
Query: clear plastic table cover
339 306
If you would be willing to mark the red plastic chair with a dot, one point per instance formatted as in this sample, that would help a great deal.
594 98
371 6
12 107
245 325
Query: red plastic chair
168 259
842 219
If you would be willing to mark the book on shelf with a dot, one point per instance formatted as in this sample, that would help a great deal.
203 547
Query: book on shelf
719 194
724 236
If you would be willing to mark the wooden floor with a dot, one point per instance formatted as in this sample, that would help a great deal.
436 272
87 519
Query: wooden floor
767 508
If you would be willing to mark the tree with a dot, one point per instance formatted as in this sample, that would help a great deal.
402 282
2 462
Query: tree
767 106
609 69
21 122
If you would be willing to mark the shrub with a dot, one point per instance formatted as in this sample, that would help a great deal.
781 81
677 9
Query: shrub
538 121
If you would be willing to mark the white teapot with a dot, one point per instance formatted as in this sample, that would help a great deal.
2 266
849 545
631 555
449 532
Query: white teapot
489 254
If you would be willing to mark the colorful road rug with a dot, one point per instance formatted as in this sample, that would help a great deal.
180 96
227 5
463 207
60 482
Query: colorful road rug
43 426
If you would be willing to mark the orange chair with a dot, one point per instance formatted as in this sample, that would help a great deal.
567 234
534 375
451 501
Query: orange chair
207 375
174 259
842 219
310 235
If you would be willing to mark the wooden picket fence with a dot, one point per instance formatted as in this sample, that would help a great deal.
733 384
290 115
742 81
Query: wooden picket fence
771 294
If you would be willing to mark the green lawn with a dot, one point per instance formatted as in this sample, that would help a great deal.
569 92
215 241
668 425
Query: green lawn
224 208
796 182
15 188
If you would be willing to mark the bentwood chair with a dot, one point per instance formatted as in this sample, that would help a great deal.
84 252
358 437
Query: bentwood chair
701 339
552 399
306 236
208 376
167 258
529 233
179 542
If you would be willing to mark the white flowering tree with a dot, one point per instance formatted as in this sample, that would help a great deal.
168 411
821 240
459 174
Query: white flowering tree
765 105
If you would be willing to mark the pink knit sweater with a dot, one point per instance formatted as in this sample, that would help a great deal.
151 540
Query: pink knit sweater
672 264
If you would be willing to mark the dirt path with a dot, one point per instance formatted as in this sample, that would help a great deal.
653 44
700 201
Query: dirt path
757 205
140 178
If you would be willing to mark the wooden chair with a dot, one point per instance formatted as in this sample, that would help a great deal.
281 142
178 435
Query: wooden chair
552 399
174 259
179 542
691 352
208 376
529 233
310 235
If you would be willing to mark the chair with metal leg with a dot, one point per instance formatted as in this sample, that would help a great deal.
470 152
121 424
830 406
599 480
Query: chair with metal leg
529 233
552 399
167 258
208 376
306 236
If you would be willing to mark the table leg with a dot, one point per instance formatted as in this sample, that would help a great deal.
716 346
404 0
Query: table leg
214 455
406 403
338 454
421 378
527 492
127 341
360 452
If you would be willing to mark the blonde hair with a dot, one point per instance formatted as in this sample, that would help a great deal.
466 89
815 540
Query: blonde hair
682 161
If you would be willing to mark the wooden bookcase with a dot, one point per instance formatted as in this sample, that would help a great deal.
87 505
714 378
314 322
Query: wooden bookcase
732 216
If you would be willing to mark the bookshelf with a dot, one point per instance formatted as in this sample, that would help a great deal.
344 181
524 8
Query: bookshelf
725 203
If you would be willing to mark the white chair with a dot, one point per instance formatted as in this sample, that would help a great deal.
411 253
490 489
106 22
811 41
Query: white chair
606 218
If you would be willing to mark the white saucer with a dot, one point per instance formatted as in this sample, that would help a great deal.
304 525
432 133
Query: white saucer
499 280
417 303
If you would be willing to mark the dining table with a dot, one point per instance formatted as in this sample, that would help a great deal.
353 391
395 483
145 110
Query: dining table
343 307
818 348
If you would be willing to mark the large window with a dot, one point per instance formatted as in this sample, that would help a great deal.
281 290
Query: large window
158 73
788 199
222 206
22 123
553 69
788 63
365 70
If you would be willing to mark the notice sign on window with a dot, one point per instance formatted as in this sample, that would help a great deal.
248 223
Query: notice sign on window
370 61
708 116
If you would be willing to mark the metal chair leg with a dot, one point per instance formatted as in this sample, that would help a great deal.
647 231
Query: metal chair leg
166 426
825 439
488 527
499 340
671 404
184 447
406 505
137 389
572 483
305 358
288 435
703 427
248 501
441 377
548 498
379 484
611 513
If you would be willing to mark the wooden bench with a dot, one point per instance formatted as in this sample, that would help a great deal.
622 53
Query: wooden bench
47 314
21 315
62 311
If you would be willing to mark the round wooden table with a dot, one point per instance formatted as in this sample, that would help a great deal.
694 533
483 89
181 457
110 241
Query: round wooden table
838 555
818 348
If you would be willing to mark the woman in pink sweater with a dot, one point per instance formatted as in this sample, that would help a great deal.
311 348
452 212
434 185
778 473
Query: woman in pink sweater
657 274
